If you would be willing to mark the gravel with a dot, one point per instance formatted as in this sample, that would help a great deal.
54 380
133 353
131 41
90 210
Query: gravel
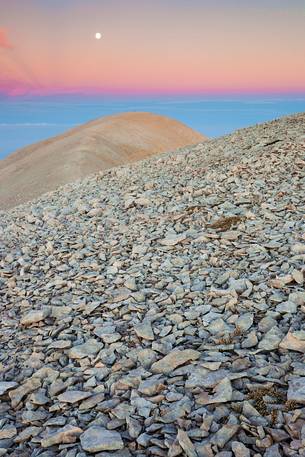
158 308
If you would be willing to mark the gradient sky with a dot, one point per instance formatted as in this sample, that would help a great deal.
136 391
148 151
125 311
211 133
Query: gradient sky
152 46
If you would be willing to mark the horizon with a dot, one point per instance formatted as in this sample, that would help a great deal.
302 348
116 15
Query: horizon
225 95
27 120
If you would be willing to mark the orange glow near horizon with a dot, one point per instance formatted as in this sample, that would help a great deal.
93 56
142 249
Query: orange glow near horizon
181 46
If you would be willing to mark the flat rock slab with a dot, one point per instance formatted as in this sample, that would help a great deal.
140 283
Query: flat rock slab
223 435
296 390
33 317
173 240
8 432
145 331
97 439
18 394
271 340
173 360
295 341
90 348
186 444
222 394
65 435
73 396
240 450
5 386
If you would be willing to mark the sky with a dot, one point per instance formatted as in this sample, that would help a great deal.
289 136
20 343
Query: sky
151 47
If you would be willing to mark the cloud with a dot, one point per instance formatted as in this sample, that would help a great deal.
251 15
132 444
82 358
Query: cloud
4 41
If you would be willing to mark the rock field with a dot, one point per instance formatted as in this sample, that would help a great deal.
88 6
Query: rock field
158 308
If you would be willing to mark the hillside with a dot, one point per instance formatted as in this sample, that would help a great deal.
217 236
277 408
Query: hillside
97 145
158 308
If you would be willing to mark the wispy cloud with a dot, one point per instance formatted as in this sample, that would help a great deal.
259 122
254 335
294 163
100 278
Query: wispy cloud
4 40
14 87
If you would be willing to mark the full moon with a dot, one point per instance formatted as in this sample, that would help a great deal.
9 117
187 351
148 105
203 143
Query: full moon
98 35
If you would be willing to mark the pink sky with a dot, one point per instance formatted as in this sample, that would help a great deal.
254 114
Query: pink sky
160 46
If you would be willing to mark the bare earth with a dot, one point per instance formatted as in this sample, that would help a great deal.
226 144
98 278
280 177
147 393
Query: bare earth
97 145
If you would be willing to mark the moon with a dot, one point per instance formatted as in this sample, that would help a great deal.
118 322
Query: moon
98 35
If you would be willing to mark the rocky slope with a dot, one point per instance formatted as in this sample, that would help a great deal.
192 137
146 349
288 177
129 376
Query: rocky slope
158 308
97 145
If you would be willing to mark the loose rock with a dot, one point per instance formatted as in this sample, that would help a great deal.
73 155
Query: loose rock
67 434
97 439
158 308
174 360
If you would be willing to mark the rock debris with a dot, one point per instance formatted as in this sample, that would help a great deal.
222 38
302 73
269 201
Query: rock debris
159 308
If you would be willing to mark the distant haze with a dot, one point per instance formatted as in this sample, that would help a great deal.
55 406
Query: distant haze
24 121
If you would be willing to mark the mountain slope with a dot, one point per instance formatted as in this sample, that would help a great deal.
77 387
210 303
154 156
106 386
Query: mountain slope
97 145
158 308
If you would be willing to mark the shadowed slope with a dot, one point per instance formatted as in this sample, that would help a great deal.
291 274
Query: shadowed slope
97 145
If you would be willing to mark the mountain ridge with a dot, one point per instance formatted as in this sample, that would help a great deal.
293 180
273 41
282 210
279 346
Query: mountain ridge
95 145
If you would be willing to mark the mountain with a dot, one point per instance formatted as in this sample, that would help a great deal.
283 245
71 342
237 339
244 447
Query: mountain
158 308
97 145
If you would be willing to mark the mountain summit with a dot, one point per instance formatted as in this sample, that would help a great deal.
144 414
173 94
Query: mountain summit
97 145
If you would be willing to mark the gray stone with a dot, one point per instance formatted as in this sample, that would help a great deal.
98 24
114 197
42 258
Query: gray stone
18 394
250 341
294 341
144 330
90 348
65 435
287 307
151 386
33 317
173 360
296 390
271 340
239 449
73 396
96 439
133 426
273 451
8 432
245 321
222 394
5 386
224 434
186 444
